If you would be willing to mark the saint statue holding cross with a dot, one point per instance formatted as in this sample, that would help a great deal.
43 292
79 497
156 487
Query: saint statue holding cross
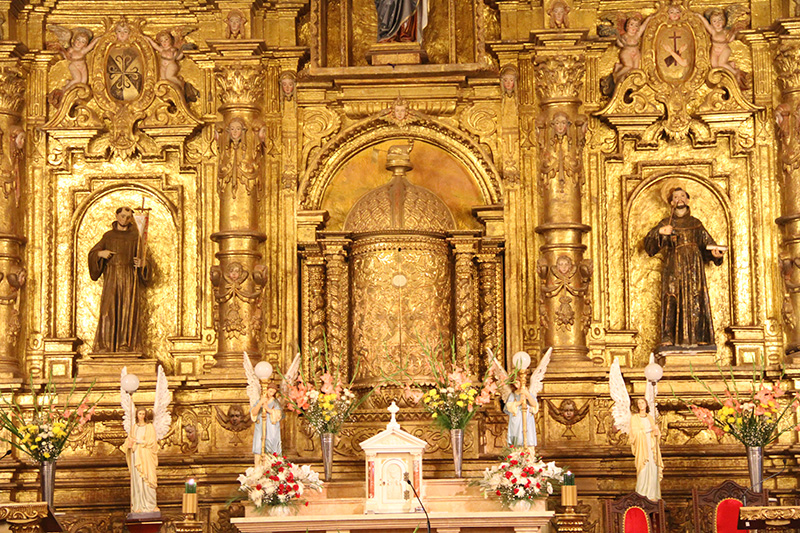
120 258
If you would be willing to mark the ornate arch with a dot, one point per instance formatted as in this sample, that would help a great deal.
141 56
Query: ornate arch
324 165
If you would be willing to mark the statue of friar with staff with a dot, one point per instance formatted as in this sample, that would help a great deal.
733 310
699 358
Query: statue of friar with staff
121 259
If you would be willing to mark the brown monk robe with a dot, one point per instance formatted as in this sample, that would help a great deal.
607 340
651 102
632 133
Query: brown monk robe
114 257
685 307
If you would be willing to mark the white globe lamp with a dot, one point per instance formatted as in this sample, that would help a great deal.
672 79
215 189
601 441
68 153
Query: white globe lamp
263 371
521 360
130 383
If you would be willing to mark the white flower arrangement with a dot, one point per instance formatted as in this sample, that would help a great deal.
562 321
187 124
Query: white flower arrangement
278 482
521 476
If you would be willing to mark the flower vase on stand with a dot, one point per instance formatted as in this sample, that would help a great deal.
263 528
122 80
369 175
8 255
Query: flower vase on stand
457 443
47 478
520 506
755 466
327 440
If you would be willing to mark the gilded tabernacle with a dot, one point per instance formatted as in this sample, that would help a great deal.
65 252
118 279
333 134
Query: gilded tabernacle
312 266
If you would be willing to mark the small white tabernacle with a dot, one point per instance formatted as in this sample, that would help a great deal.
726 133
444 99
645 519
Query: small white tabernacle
393 456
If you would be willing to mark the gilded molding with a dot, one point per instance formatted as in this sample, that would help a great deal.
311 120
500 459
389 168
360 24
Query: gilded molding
241 86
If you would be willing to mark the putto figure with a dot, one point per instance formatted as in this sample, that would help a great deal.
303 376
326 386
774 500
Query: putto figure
629 34
559 14
141 445
724 27
234 24
73 45
117 258
686 246
170 46
401 20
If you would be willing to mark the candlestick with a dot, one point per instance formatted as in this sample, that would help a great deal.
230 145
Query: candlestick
569 492
189 507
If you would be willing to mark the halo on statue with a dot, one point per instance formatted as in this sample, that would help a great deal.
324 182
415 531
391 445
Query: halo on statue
671 183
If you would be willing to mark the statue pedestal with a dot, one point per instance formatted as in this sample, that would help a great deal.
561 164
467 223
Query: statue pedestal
396 54
110 364
144 522
684 356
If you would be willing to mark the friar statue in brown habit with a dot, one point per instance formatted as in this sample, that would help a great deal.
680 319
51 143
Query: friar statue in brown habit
117 258
686 246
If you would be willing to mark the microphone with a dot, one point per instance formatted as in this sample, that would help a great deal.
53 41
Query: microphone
427 518
8 452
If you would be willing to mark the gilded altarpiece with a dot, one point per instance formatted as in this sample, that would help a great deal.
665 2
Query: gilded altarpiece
492 185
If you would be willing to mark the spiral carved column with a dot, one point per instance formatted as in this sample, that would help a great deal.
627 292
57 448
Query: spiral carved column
787 116
12 273
564 307
239 278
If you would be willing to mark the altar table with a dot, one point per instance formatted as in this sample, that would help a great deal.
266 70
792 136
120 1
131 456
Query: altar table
466 522
453 506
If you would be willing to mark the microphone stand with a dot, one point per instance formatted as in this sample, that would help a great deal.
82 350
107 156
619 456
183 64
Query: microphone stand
427 518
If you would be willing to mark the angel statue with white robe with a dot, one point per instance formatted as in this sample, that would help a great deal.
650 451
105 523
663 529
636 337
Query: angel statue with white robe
642 430
520 403
266 409
141 446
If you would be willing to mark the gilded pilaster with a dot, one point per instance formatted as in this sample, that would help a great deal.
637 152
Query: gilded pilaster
490 297
337 292
466 309
564 306
12 272
787 115
239 278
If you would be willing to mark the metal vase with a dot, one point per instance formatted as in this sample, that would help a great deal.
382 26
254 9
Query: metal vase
47 479
457 443
327 454
755 466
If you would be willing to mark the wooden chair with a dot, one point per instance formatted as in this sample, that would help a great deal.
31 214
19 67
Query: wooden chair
633 513
717 509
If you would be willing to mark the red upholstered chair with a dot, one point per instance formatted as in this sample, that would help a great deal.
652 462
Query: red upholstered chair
717 510
633 513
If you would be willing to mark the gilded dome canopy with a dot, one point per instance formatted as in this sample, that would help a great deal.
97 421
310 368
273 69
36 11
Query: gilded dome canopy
399 205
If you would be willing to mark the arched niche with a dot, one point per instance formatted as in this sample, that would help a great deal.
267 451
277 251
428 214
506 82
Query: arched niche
326 163
646 207
160 300
434 169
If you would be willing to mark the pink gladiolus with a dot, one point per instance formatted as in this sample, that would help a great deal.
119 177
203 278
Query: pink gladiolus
327 384
457 377
412 395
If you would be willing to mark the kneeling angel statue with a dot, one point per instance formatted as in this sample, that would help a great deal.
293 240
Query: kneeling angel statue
266 409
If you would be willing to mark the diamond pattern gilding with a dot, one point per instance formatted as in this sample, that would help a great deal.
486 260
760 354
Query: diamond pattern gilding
419 210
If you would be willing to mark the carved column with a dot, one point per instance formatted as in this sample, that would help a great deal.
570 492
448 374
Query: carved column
564 307
490 304
787 116
239 278
466 309
337 292
12 171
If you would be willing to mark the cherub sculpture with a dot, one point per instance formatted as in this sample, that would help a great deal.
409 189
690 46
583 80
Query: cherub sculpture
141 446
629 34
521 403
567 414
74 45
724 27
170 46
266 410
642 430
